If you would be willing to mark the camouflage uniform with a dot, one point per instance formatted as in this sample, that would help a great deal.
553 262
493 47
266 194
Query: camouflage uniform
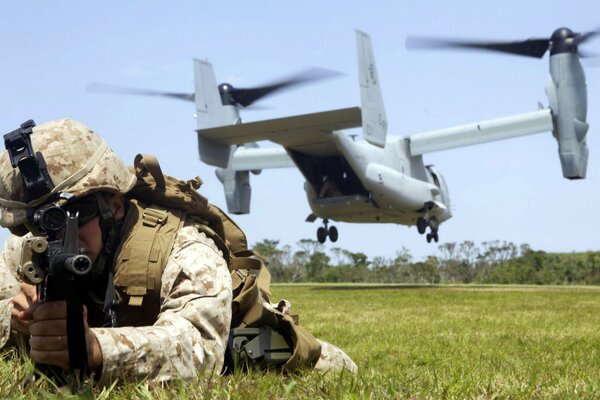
192 328
191 331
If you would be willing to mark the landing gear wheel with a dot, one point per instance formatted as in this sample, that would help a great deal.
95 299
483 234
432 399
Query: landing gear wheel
333 234
434 224
421 225
321 235
436 238
429 237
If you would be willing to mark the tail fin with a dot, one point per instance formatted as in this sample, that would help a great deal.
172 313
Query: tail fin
210 113
374 120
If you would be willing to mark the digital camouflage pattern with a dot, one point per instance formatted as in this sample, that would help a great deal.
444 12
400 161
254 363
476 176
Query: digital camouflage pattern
334 359
9 285
192 329
79 163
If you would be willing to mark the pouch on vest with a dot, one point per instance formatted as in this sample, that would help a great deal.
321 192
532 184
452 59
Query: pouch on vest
261 335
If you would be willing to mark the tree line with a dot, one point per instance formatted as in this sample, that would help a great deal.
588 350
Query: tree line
498 262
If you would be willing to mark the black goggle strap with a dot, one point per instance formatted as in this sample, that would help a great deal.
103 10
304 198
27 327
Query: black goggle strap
103 210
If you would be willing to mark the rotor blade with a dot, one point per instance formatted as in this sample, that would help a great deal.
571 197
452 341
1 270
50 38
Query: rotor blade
586 36
247 96
530 48
105 88
257 107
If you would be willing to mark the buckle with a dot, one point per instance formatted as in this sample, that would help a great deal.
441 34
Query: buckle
154 216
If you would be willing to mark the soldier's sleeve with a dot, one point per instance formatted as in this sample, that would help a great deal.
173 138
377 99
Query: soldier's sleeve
9 286
190 335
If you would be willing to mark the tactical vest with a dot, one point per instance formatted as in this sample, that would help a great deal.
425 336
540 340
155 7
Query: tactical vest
159 205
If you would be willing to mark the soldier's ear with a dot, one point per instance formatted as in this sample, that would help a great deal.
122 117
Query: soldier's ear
116 203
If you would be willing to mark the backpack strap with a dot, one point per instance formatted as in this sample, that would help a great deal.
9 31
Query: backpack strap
236 239
147 163
149 233
245 263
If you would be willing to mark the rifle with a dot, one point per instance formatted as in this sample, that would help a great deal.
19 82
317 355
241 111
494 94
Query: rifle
56 266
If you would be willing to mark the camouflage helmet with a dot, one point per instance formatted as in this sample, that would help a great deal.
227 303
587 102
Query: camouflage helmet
78 162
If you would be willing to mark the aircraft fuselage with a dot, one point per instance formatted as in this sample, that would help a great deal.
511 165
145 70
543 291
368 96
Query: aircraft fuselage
372 184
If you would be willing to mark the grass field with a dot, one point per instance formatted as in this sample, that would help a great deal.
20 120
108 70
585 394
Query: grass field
414 342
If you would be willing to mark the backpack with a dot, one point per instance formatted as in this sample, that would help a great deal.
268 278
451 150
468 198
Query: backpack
262 335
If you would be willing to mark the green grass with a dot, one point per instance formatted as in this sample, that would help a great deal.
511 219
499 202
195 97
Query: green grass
413 342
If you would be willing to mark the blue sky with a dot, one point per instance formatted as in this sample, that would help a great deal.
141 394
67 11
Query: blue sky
512 190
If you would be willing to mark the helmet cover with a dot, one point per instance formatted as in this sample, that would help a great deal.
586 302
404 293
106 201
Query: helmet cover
78 162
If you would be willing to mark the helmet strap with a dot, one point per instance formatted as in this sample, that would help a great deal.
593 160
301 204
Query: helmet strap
103 210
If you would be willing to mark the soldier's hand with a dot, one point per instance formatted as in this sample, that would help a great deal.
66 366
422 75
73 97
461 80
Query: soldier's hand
21 318
48 339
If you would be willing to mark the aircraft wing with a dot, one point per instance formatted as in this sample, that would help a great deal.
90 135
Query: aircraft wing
307 133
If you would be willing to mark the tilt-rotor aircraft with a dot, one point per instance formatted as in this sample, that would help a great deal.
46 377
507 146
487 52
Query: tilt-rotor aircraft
378 180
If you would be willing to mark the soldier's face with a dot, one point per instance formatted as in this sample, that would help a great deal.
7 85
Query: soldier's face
90 238
90 234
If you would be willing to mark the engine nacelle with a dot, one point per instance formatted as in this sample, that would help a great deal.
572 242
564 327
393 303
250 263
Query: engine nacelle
237 189
567 94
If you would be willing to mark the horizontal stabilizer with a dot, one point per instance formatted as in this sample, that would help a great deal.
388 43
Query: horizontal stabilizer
301 132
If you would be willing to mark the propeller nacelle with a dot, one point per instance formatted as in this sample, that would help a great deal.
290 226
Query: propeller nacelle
563 40
567 94
566 91
227 93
